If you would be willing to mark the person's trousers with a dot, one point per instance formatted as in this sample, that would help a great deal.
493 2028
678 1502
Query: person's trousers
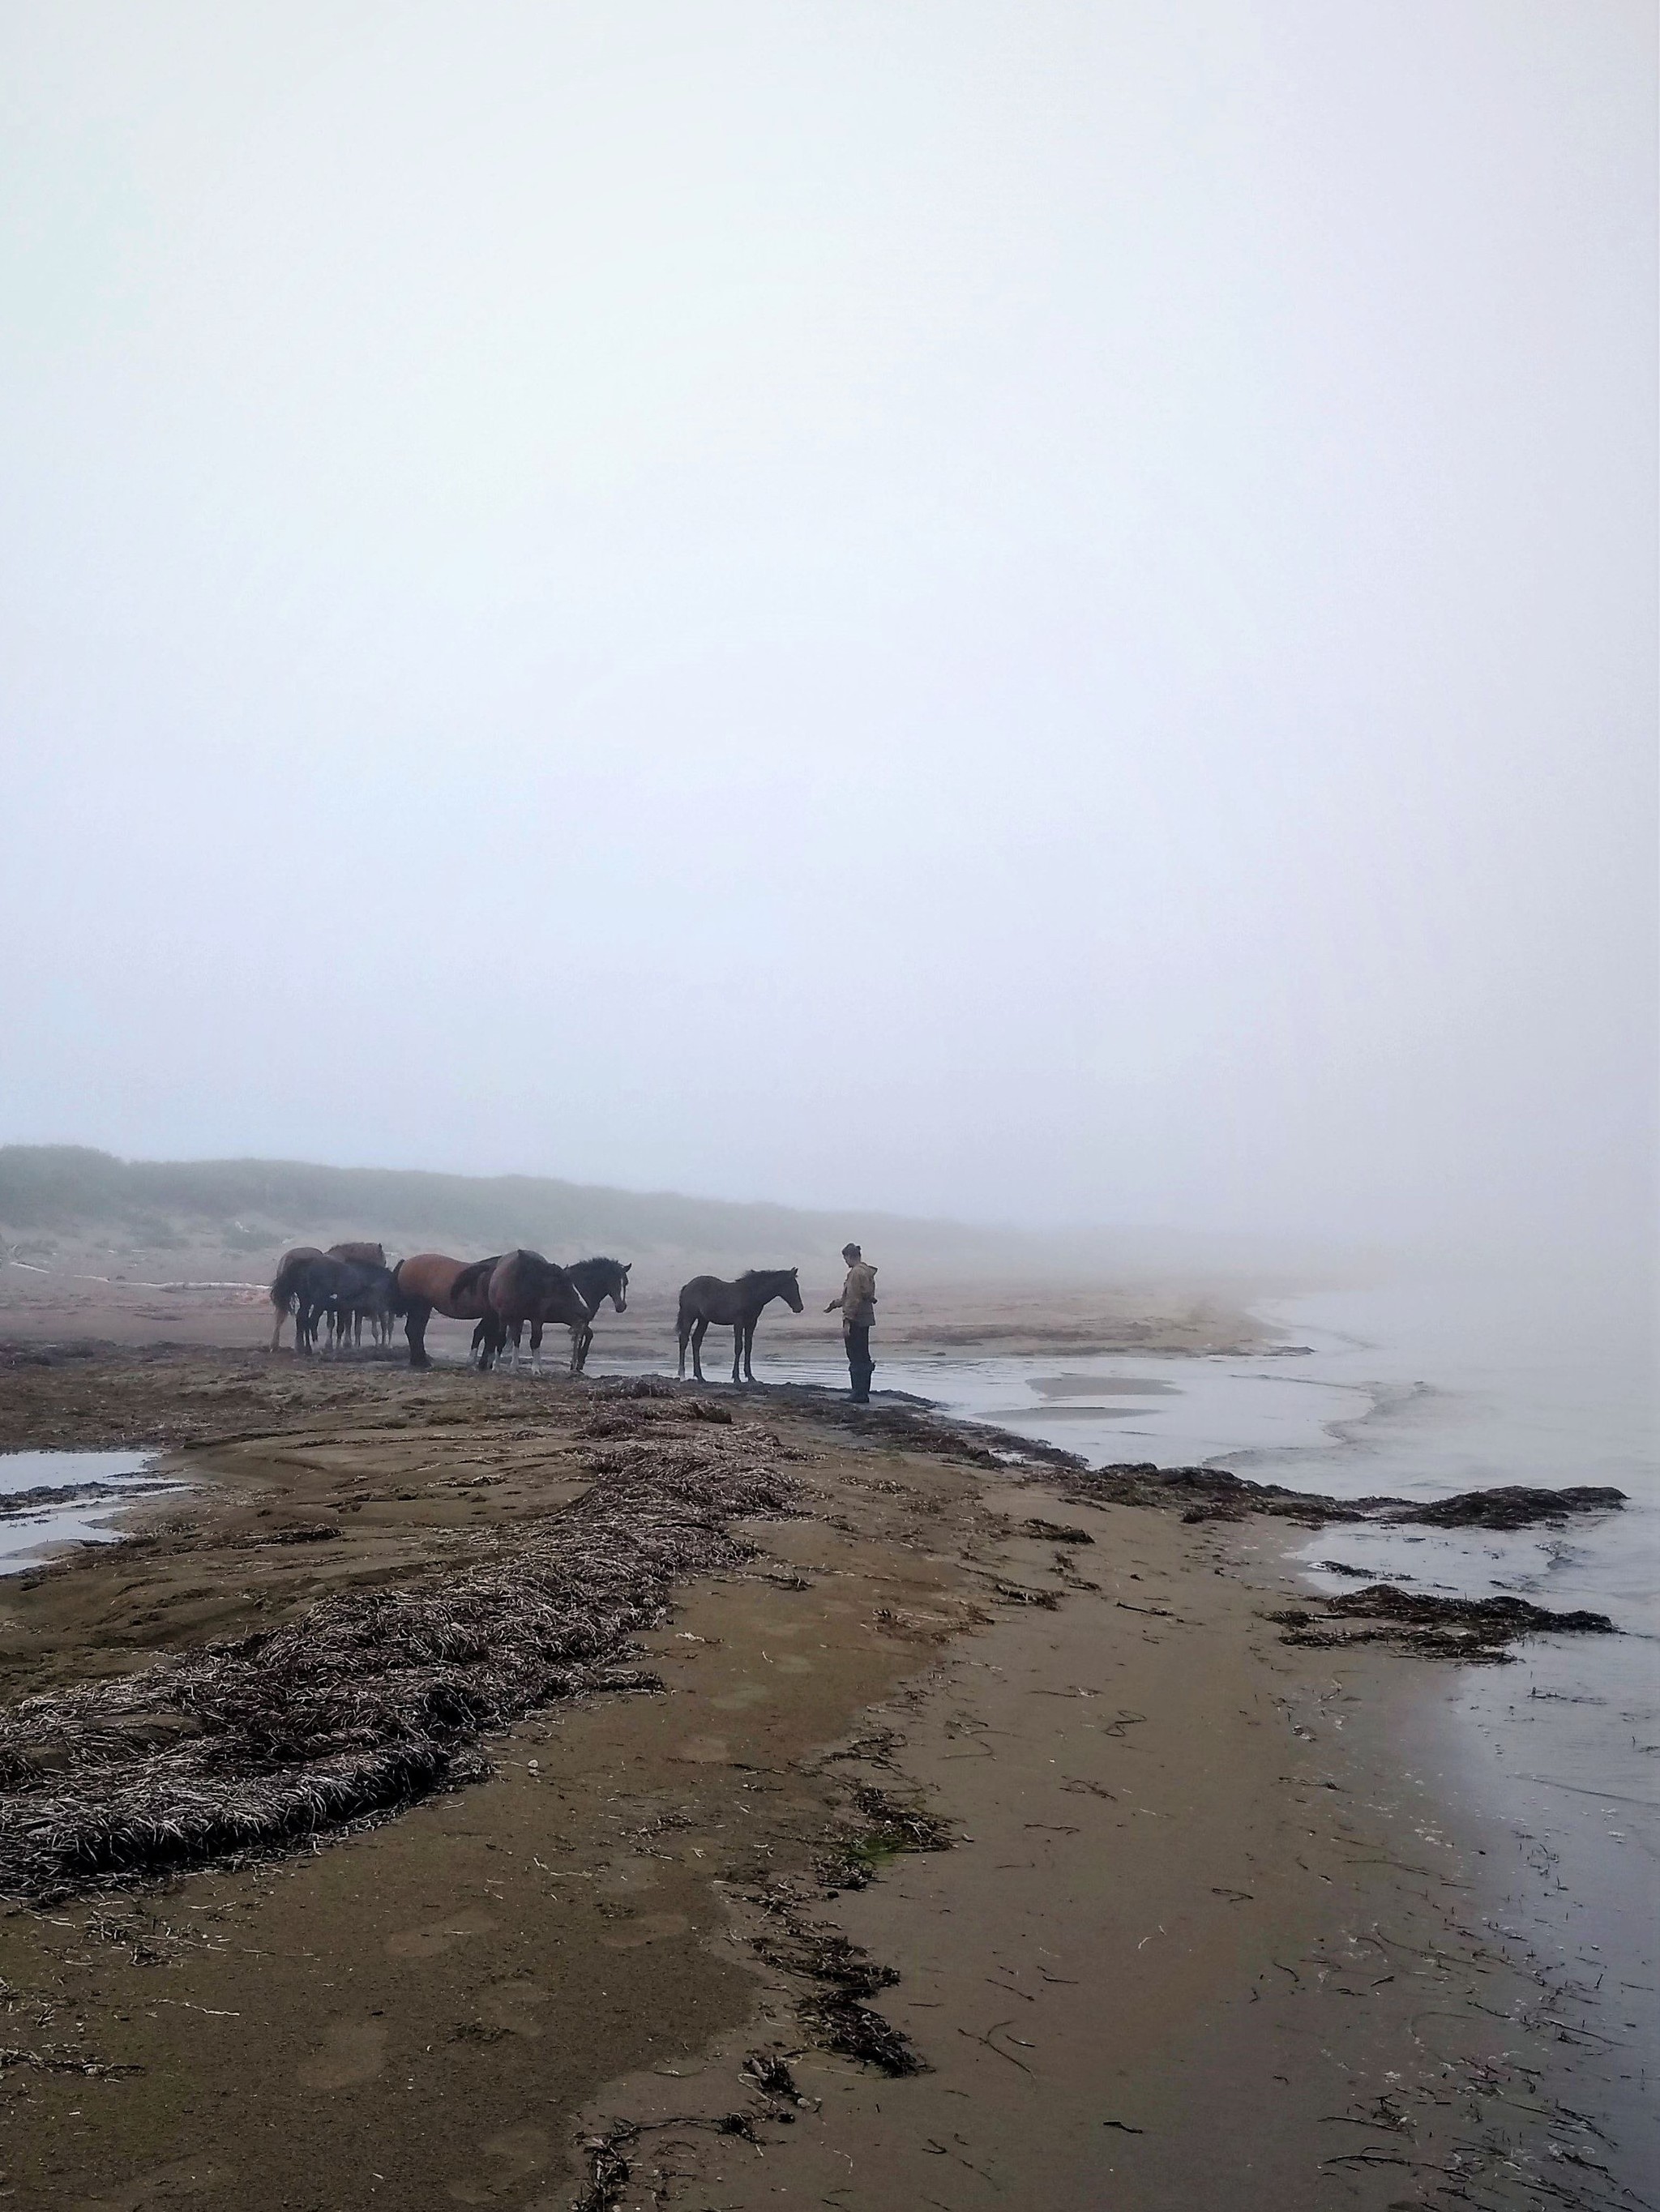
861 1365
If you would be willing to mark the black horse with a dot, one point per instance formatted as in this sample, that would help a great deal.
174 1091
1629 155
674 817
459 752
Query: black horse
597 1279
706 1300
340 1291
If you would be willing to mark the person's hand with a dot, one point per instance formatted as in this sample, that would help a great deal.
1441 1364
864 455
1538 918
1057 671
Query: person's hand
833 1305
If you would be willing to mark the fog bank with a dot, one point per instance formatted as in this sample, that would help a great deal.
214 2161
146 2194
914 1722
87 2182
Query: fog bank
1036 615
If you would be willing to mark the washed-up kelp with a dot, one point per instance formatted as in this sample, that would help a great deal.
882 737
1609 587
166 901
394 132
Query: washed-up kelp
1440 1627
371 1698
1212 1493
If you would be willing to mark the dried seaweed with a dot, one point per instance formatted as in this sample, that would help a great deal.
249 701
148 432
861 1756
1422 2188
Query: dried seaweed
832 2014
370 1699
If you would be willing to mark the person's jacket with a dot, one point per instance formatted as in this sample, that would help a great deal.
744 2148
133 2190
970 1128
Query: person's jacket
858 1296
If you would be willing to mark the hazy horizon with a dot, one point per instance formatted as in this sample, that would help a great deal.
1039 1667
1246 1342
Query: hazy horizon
1039 615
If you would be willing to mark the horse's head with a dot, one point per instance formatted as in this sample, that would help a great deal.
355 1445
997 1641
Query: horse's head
790 1285
619 1288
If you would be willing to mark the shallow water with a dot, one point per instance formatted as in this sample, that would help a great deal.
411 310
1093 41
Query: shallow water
31 1533
1419 1391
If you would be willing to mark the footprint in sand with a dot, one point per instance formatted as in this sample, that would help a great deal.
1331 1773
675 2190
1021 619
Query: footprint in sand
648 1928
746 1694
427 1943
516 2154
353 2052
705 1751
510 2006
164 2184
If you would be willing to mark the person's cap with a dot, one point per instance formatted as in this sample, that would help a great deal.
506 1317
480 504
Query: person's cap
850 1252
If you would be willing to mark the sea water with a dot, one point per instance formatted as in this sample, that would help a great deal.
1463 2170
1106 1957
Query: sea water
1417 1390
80 1497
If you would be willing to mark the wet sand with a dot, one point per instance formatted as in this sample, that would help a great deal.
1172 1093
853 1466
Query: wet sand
1197 1940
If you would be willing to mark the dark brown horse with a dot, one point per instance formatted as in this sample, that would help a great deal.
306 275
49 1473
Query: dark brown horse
343 1290
282 1285
366 1255
380 1313
705 1301
525 1287
597 1279
431 1282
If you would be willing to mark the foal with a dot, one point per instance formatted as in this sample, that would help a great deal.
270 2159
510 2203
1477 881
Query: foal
737 1306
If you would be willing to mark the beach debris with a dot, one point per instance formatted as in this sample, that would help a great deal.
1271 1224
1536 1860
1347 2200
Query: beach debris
1514 1505
916 1427
1055 1532
1212 1493
370 1699
889 1826
609 2171
1017 1594
770 2073
832 2013
857 2032
1470 1629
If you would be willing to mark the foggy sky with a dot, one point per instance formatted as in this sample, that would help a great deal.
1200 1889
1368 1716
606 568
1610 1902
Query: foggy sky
1028 610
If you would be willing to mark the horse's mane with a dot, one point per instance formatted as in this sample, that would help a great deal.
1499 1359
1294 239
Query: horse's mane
763 1274
469 1278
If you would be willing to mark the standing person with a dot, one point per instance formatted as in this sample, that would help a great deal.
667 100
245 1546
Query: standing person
858 1304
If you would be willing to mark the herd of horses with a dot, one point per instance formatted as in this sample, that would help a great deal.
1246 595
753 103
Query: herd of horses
333 1294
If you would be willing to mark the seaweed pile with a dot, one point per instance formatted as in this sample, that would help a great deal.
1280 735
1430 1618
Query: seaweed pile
1211 1494
839 1973
371 1698
1466 1628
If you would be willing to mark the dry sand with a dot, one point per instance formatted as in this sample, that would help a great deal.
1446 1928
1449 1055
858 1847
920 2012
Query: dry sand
1197 1942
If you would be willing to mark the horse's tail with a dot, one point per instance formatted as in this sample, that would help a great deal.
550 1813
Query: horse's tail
282 1284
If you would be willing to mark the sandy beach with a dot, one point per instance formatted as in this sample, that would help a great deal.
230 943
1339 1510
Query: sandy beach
1179 1931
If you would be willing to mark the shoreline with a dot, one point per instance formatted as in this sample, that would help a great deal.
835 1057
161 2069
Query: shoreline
612 1861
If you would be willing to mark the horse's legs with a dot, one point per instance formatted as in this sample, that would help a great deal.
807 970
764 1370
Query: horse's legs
582 1347
576 1348
749 1347
700 1330
415 1327
536 1345
681 1331
737 1349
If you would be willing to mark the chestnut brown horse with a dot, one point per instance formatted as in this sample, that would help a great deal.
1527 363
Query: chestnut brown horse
524 1287
431 1282
706 1300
